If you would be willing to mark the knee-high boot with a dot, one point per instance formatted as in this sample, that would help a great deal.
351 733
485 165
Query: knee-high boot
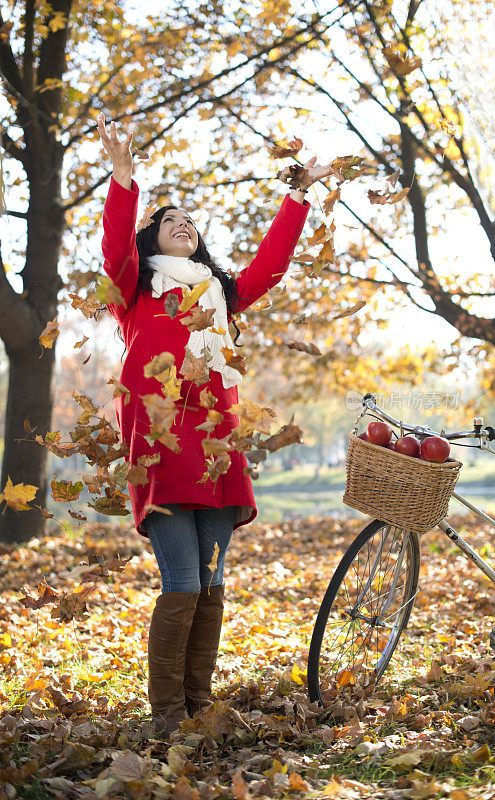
169 631
202 648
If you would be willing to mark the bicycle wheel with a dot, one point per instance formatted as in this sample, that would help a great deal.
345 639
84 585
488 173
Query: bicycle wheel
364 611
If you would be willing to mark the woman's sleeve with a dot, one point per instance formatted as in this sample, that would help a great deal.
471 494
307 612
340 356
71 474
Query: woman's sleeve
119 241
274 253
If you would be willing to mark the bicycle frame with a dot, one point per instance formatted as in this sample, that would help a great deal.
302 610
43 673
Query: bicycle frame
459 542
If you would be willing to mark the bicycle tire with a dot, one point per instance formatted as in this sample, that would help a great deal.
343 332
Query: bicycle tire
327 673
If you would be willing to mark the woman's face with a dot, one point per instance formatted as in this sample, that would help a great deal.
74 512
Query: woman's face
177 235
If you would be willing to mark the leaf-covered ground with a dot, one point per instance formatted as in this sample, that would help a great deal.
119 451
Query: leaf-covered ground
74 718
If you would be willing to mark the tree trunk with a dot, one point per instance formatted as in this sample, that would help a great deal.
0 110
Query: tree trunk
30 393
30 396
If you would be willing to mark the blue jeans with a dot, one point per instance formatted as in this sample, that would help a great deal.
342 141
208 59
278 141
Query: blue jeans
184 542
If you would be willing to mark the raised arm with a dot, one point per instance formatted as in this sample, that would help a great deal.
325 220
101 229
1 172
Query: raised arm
119 217
275 251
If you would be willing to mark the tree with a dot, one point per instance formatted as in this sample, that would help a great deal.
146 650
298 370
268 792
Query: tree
61 63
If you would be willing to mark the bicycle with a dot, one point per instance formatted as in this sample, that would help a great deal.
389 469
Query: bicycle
369 599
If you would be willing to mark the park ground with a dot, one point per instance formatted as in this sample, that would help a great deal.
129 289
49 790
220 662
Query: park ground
74 718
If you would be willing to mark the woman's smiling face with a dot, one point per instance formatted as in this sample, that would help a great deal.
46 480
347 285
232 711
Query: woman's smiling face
177 235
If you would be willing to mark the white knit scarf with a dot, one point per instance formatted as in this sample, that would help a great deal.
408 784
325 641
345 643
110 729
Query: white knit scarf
173 271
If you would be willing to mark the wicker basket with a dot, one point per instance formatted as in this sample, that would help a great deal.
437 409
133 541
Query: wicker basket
404 491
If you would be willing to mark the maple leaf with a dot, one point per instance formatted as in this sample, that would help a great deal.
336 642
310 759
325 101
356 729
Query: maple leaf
318 236
54 445
348 168
198 319
213 419
149 460
347 312
167 438
76 515
108 292
216 447
191 297
45 595
142 155
87 404
304 347
146 220
212 566
171 387
88 306
234 361
19 495
401 64
119 389
288 434
49 334
216 467
159 366
286 150
111 504
161 411
207 399
65 491
330 200
387 197
253 417
72 605
194 368
137 475
293 175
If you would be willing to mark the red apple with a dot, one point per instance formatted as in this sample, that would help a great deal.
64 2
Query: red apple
435 448
391 446
408 446
379 433
363 437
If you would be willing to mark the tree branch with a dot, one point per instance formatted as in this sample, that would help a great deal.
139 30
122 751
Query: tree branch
9 213
28 59
13 149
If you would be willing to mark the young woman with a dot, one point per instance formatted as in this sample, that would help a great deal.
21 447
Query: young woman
166 258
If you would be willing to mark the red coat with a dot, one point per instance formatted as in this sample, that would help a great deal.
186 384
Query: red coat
148 331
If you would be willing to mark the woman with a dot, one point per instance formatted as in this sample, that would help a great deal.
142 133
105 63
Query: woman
165 258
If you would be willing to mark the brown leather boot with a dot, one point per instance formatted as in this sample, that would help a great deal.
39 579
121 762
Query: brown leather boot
169 630
202 648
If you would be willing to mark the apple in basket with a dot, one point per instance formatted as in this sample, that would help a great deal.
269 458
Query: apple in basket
379 433
408 446
435 448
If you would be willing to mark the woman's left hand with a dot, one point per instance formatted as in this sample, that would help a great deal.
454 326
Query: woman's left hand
315 172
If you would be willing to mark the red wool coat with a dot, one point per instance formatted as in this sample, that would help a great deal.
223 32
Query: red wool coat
148 331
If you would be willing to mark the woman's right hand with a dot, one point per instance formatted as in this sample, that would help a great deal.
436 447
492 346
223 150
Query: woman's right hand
119 152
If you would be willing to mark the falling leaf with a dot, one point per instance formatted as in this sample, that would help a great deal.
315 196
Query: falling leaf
289 434
171 304
141 155
348 168
108 292
387 197
198 319
171 386
161 411
330 200
401 64
285 150
137 476
159 366
146 220
318 236
304 347
234 361
207 399
81 342
347 312
18 496
191 297
160 509
49 334
65 491
119 389
213 419
195 368
89 306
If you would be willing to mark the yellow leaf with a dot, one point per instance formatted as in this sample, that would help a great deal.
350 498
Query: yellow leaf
296 673
18 496
190 298
49 333
6 640
276 769
57 21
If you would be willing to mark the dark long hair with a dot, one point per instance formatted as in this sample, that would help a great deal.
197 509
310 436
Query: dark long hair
147 245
